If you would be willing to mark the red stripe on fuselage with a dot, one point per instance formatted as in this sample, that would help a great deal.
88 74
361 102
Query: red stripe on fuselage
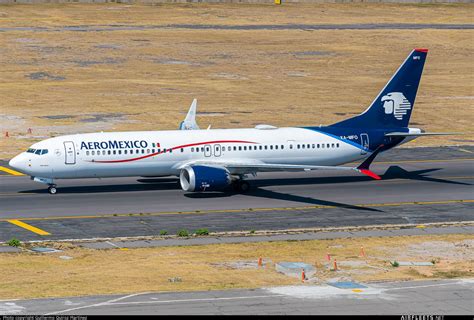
177 147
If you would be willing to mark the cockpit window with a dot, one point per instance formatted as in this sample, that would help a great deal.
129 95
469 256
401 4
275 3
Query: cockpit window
37 151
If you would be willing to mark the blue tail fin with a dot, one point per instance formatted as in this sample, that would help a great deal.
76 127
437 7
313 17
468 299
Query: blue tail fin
393 106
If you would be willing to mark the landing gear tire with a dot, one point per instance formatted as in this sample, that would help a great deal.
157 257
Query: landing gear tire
241 186
52 190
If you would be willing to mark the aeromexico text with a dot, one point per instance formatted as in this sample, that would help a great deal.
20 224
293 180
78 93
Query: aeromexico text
114 144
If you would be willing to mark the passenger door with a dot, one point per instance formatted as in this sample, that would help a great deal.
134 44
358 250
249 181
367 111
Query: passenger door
70 152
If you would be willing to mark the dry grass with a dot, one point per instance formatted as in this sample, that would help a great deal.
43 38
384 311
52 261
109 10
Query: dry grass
29 275
256 76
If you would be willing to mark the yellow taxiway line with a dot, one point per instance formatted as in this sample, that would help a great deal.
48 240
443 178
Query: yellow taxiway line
29 227
115 215
11 171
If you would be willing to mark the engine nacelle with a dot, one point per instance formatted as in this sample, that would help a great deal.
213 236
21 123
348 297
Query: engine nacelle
203 178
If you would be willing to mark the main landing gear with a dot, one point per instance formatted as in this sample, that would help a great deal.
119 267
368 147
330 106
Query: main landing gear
241 186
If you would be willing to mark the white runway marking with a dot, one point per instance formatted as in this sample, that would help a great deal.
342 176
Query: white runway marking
10 308
197 300
97 304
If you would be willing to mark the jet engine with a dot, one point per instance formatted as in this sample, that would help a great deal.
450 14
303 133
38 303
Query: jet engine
200 178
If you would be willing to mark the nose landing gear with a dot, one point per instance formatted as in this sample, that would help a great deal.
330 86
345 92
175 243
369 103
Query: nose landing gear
48 181
52 189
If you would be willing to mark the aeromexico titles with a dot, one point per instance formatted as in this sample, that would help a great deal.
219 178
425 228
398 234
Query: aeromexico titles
218 159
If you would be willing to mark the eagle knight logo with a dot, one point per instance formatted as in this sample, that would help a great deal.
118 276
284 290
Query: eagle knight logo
397 104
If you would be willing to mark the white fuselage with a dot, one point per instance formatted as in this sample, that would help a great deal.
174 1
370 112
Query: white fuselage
119 154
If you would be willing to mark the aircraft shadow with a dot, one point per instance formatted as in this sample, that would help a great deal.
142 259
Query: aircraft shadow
393 172
268 194
131 187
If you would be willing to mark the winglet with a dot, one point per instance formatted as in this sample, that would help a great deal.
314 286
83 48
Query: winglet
189 122
364 166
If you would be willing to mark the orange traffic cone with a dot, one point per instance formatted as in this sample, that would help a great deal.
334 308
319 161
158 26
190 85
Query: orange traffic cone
303 276
260 262
335 265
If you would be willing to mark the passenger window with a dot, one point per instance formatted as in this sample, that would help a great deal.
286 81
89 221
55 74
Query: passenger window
158 150
171 150
260 147
235 148
223 148
265 147
240 148
153 144
291 146
131 151
318 145
302 146
276 147
192 149
109 152
271 147
103 152
332 145
125 151
87 153
322 145
147 150
143 151
297 146
245 148
182 150
308 146
93 152
337 145
327 145
282 147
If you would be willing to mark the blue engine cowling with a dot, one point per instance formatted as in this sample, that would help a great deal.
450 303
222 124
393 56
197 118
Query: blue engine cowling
203 178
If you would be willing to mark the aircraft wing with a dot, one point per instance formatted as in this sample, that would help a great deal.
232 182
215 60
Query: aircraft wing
254 167
249 166
189 122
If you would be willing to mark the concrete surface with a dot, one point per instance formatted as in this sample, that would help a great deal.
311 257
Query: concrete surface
444 297
417 191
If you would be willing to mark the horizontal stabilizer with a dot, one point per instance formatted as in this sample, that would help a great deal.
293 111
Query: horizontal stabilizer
420 134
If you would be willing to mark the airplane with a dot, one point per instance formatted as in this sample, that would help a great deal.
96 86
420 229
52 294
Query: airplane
219 159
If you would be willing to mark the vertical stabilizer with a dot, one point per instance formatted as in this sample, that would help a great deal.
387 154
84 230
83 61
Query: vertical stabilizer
393 106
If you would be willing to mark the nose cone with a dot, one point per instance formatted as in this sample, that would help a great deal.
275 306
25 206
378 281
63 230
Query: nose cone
18 163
